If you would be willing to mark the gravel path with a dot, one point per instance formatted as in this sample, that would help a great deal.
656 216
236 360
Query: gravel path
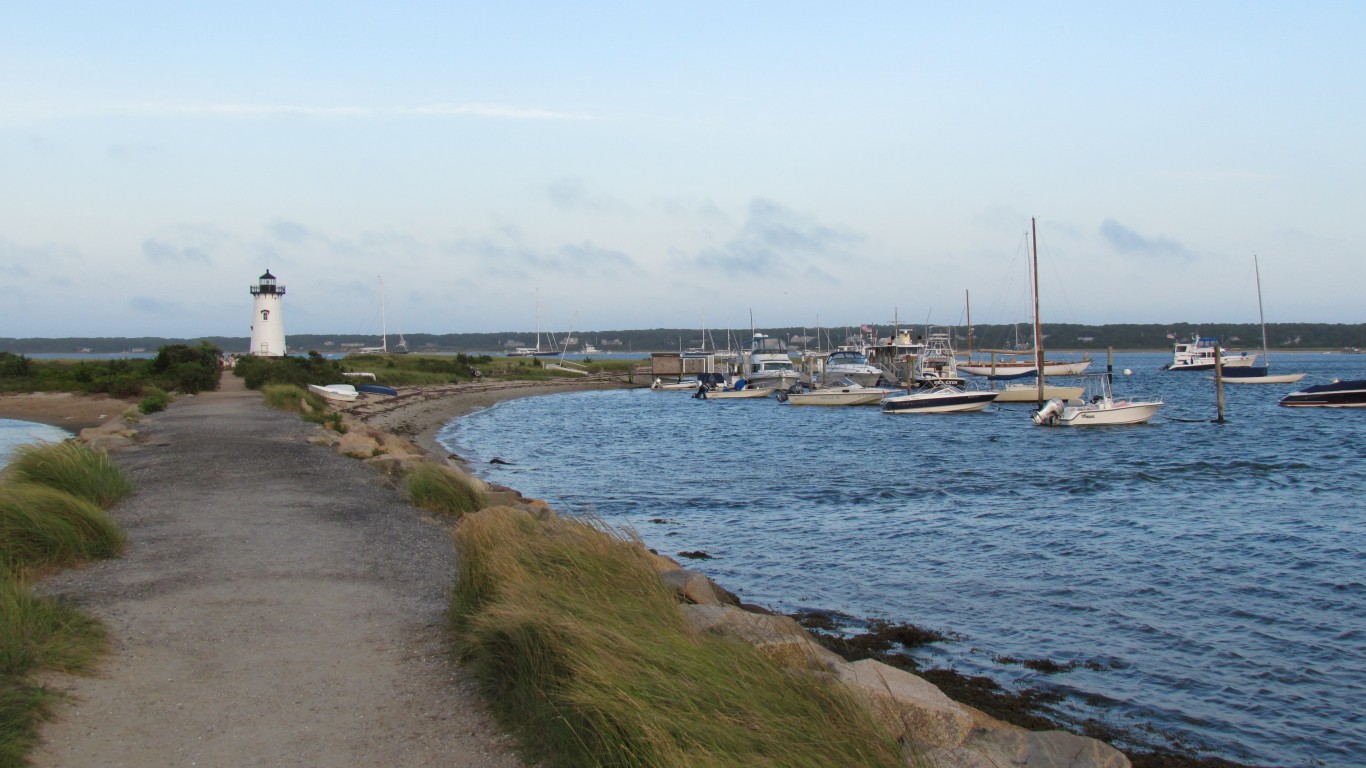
277 606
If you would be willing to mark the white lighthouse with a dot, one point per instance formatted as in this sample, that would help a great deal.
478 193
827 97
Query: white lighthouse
267 317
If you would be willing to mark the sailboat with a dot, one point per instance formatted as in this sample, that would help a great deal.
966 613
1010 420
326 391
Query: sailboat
1099 407
536 351
1008 364
1259 374
383 348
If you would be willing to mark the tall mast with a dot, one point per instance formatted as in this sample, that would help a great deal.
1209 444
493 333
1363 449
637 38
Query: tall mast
383 329
967 304
1038 333
1266 357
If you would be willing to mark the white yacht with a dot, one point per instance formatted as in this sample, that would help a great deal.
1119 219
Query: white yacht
767 364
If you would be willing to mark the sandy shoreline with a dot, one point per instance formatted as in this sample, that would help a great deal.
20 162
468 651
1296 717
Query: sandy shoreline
419 413
70 411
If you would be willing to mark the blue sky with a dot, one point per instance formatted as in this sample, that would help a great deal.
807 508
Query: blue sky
640 165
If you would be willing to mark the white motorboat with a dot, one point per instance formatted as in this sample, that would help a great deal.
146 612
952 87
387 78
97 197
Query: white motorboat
337 393
689 384
853 365
741 391
945 398
1198 355
1098 408
936 365
850 393
768 364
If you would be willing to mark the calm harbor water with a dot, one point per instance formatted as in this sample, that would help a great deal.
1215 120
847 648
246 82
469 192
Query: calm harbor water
16 433
1212 578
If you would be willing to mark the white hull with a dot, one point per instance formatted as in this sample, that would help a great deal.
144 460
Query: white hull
337 393
1243 360
1108 413
1019 369
1275 378
681 386
748 393
939 400
774 379
862 378
1029 393
839 396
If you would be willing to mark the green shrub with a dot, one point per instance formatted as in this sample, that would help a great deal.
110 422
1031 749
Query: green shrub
188 369
586 654
42 527
444 490
256 372
72 467
153 401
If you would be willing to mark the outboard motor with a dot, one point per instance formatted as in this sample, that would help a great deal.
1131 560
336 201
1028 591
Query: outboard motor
701 392
1048 415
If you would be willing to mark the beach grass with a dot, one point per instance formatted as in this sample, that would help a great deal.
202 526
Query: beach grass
443 490
292 397
586 655
43 527
72 467
37 634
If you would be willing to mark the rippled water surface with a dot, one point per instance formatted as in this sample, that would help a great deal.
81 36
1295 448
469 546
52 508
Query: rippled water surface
1214 574
16 433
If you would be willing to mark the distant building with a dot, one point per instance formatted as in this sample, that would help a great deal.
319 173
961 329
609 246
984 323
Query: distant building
267 317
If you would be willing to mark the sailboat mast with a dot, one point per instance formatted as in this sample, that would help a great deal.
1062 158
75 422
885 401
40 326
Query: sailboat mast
1266 357
1038 332
967 305
383 328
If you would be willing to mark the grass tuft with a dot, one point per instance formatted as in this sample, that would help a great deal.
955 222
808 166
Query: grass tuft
586 654
37 634
443 490
71 467
42 527
291 397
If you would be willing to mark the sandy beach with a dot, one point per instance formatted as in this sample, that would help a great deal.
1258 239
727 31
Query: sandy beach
67 410
419 413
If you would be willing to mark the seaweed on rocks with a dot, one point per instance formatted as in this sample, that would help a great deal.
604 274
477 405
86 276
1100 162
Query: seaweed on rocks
1028 708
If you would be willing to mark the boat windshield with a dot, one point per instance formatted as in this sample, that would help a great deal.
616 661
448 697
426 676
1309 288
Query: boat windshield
847 358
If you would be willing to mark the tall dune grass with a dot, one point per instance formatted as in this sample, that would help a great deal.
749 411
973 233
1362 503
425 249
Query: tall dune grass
585 652
50 515
72 467
37 634
290 397
42 527
443 490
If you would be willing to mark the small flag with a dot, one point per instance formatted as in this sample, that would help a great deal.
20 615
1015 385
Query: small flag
1171 335
865 328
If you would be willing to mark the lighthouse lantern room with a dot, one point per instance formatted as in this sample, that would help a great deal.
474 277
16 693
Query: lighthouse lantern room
267 319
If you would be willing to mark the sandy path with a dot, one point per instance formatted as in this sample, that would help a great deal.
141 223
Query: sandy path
277 606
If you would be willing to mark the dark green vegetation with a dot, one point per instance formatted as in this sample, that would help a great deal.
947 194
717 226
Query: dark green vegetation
1030 708
587 657
402 370
1284 336
418 370
257 372
51 515
178 367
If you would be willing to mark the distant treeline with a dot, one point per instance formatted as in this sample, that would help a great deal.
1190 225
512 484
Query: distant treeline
1057 336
